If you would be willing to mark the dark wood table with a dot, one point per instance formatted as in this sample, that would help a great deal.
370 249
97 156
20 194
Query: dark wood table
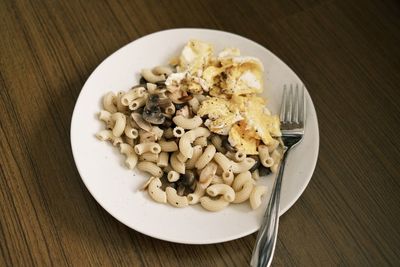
346 52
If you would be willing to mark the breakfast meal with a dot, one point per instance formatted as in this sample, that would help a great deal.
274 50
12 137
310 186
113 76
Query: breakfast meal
198 127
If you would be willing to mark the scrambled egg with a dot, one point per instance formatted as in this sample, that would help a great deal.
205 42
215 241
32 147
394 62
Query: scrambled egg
195 56
232 81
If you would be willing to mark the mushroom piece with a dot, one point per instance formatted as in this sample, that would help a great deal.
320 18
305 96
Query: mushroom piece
227 145
263 171
152 111
188 178
256 164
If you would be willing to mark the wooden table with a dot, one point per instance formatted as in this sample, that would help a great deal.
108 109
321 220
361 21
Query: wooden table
346 52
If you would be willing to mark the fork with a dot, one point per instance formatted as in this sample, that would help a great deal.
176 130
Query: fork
292 117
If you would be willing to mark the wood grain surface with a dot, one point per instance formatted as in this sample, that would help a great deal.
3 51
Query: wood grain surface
346 52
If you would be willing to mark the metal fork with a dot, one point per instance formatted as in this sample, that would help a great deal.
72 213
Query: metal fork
292 116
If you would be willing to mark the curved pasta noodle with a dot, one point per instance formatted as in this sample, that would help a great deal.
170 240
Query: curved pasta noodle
244 194
176 164
150 167
155 191
265 159
173 176
236 167
174 199
201 141
146 137
151 77
185 143
239 156
105 116
181 157
240 180
217 142
207 174
255 196
194 198
217 180
162 70
131 158
187 123
134 93
168 146
197 151
131 132
148 156
194 104
137 103
227 177
221 189
178 132
206 157
120 107
213 205
162 160
107 135
147 147
120 123
157 131
170 110
108 102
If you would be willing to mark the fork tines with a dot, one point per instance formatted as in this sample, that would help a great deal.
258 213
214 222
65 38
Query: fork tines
293 106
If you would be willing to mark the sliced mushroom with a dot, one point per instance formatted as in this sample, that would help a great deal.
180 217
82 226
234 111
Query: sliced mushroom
188 178
152 111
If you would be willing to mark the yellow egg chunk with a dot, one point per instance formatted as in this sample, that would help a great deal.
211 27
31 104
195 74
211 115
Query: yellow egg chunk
195 56
265 125
214 107
241 141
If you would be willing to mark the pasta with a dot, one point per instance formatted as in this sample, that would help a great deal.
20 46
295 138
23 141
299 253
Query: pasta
150 167
198 128
255 196
131 95
174 199
151 77
187 123
173 176
185 143
131 157
131 132
147 147
176 164
168 146
221 189
201 141
155 191
206 157
194 198
148 156
213 205
265 158
108 102
178 131
162 160
120 122
197 151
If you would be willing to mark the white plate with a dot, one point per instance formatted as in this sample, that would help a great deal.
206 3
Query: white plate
116 188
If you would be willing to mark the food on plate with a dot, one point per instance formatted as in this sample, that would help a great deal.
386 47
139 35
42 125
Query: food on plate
198 127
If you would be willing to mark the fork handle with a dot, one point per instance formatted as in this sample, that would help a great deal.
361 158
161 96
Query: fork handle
263 251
